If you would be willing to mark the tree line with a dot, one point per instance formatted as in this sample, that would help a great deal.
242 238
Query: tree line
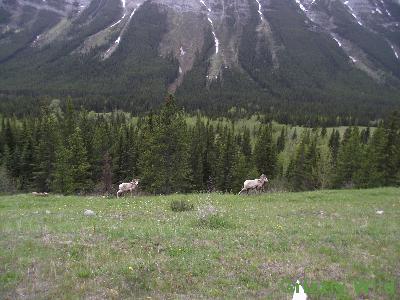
73 151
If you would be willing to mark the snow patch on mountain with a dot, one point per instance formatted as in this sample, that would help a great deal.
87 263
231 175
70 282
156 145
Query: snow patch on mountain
216 41
301 6
394 50
306 6
116 43
337 41
260 10
123 16
351 10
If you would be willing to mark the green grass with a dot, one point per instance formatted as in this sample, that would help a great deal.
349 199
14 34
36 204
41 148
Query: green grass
227 247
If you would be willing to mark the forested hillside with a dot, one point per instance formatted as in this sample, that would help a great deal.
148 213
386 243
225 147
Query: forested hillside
308 62
75 151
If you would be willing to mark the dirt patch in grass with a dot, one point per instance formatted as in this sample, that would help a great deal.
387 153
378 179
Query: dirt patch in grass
34 284
272 268
51 238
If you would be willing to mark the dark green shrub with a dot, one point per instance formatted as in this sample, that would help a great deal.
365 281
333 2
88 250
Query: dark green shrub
181 205
214 222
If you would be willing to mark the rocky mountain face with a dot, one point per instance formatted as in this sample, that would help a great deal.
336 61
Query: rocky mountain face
269 55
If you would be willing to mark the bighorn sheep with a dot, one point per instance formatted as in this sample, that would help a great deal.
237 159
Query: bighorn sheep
127 186
44 194
257 184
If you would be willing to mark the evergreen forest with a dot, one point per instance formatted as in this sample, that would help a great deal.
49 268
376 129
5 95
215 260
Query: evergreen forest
73 151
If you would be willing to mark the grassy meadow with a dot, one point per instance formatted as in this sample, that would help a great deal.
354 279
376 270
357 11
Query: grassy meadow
227 246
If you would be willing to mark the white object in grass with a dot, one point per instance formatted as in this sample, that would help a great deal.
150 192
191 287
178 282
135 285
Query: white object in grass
299 293
89 213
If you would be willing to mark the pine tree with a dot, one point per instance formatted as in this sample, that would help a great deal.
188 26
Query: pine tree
9 139
210 159
372 171
294 173
227 156
365 135
101 144
324 168
303 170
311 166
80 168
197 155
132 153
7 184
265 155
107 174
349 158
125 154
69 119
280 143
120 171
14 164
165 163
26 163
85 124
44 153
240 171
392 150
6 161
63 181
246 144
334 144
13 155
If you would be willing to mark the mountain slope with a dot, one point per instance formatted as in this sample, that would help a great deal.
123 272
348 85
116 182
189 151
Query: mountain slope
323 58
